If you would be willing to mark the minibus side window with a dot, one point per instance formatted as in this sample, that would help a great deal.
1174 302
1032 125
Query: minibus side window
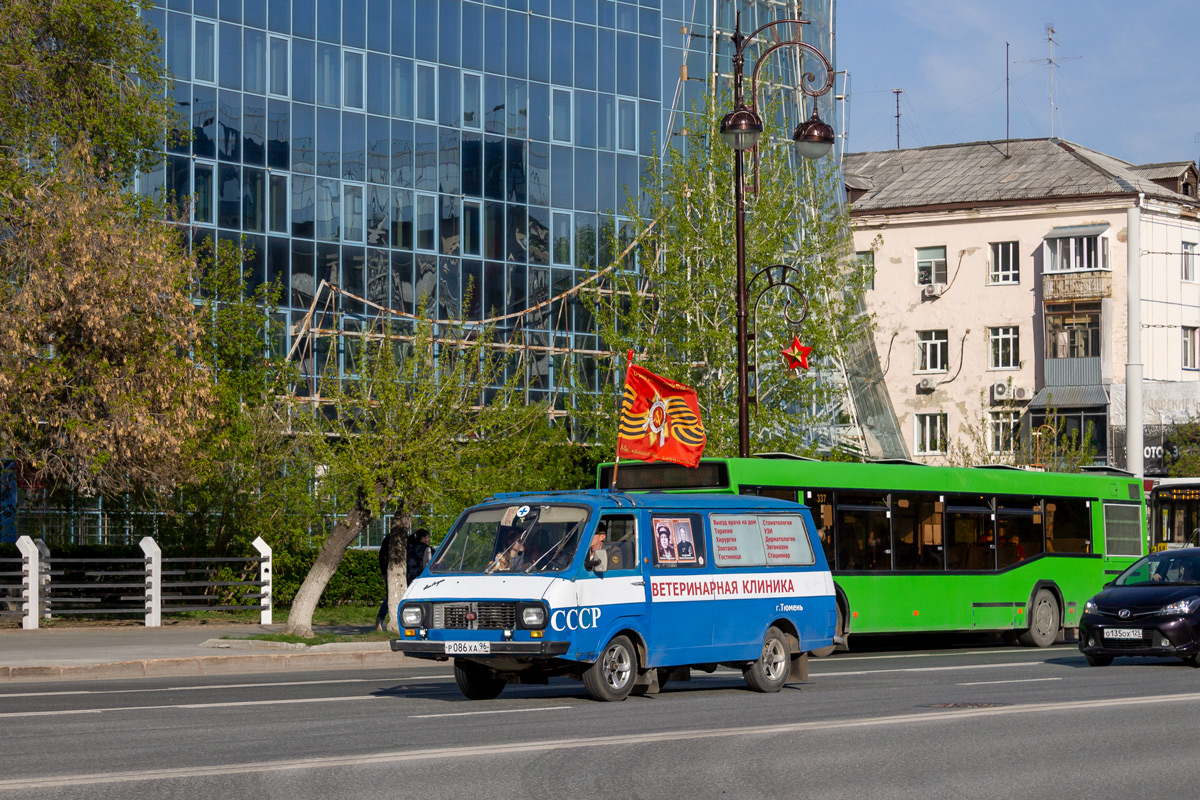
620 545
678 541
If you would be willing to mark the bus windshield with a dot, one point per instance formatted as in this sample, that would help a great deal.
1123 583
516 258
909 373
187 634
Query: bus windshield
520 539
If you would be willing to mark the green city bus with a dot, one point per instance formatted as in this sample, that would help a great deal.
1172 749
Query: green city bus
920 548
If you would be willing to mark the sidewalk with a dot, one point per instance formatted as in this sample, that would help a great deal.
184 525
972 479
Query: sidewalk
126 651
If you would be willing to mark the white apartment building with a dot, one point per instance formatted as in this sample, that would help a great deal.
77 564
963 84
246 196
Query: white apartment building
1001 273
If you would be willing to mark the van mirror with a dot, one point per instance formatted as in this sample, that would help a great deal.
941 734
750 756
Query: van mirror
598 561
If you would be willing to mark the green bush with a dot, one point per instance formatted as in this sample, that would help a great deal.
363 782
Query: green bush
357 581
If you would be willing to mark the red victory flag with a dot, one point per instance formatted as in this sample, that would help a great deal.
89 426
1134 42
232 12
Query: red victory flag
660 420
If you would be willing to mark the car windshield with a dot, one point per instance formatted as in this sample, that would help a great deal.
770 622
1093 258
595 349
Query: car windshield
1164 568
513 539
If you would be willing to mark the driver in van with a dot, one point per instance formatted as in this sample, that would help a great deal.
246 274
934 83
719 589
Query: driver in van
597 552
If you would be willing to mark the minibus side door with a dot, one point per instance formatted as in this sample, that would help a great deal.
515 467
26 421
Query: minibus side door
681 598
614 597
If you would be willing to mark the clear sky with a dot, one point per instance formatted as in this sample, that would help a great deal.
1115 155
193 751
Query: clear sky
1127 84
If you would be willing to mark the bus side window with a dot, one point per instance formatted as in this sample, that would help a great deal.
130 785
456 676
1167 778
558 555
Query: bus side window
1018 528
917 527
1068 525
821 505
864 534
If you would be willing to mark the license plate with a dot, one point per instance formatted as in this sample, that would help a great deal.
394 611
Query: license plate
1122 633
468 648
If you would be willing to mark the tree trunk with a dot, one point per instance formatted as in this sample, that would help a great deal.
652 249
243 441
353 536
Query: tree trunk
345 532
396 579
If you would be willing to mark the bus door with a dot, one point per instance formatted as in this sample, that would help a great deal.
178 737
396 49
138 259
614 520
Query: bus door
681 597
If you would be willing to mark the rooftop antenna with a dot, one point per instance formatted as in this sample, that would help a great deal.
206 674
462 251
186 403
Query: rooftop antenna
1051 62
897 93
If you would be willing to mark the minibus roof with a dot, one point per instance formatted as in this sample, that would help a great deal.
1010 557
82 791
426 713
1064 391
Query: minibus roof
606 499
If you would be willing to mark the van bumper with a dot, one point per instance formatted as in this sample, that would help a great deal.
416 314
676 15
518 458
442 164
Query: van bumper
426 649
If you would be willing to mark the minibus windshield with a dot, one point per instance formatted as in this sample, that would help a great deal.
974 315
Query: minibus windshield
513 539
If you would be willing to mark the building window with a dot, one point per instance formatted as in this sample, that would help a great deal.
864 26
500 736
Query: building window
866 262
932 351
1188 266
1076 253
205 51
1004 267
352 213
930 437
427 92
931 265
472 94
1073 330
205 196
278 66
353 78
1005 347
1005 427
1190 340
627 125
560 115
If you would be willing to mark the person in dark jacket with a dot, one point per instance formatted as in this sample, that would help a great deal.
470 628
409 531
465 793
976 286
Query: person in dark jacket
419 552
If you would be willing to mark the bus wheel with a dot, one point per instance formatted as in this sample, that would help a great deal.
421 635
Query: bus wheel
826 652
611 677
476 681
1098 661
1043 621
769 673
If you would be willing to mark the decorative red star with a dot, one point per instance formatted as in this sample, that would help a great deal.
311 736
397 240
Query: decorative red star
797 354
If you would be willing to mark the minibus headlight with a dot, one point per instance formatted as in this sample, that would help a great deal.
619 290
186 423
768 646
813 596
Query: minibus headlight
411 616
533 617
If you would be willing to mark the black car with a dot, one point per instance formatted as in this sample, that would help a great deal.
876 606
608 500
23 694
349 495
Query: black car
1151 609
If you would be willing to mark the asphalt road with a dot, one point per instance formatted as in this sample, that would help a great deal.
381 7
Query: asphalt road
981 721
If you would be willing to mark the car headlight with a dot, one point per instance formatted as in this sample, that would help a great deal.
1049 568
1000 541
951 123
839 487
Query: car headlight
533 617
1090 607
1188 606
412 616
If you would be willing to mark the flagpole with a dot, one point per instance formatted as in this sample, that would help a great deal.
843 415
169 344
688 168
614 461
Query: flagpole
617 463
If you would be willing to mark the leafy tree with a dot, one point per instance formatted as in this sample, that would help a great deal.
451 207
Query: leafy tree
1051 446
673 301
1185 446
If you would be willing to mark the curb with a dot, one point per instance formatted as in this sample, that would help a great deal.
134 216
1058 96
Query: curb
206 665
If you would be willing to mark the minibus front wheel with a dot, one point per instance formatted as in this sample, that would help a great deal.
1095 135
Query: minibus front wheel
770 672
476 681
611 678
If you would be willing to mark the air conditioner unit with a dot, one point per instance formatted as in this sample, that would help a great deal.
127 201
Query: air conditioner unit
1022 393
933 290
927 384
1001 391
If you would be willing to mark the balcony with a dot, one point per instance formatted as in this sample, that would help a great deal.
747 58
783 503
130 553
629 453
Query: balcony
1058 286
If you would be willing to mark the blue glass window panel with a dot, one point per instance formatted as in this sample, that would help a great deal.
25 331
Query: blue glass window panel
254 62
353 212
585 11
304 284
516 108
493 230
204 121
354 149
426 159
254 129
427 30
402 88
402 154
303 74
231 10
229 197
626 125
254 198
493 42
561 253
449 93
606 173
377 277
650 21
352 263
585 57
329 142
606 61
426 215
539 50
152 181
206 8
179 46
449 296
329 75
585 180
425 287
354 23
539 236
181 143
277 262
627 175
379 25
562 53
449 32
517 5
493 168
379 84
277 203
353 68
304 138
538 182
562 9
279 16
402 282
472 289
493 104
449 161
493 288
179 183
378 208
673 9
202 200
516 287
627 18
255 14
402 219
448 226
627 64
606 14
562 167
231 56
472 36
156 20
472 226
277 66
606 119
585 119
649 64
402 28
585 241
472 101
648 114
304 19
541 7
517 44
539 112
327 206
379 146
516 172
427 92
560 115
472 164
329 20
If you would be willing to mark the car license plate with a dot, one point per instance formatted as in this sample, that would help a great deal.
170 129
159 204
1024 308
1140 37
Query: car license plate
468 648
1122 633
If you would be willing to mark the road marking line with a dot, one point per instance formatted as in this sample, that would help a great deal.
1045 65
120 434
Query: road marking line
1019 680
625 740
996 651
498 711
926 669
245 703
444 676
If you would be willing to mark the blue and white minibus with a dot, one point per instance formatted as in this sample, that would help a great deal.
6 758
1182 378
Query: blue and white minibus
622 592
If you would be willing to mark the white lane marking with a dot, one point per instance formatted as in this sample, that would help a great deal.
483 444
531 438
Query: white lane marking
444 676
240 704
625 740
926 669
497 711
1018 680
993 651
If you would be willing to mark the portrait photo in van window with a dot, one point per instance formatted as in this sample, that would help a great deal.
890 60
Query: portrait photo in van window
664 542
685 548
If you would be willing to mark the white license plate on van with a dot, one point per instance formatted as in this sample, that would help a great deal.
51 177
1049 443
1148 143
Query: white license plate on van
468 648
1122 633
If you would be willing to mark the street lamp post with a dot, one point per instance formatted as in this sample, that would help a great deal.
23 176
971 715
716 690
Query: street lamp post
741 129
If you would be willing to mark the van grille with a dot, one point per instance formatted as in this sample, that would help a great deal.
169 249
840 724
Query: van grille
487 616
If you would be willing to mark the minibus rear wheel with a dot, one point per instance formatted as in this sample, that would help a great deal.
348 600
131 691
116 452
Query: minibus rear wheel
476 681
770 672
611 678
